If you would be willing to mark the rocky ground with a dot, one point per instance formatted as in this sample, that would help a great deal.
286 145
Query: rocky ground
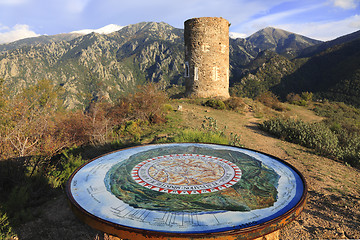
333 206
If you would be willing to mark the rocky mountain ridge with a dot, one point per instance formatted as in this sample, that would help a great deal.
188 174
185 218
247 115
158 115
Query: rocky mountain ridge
318 48
96 66
281 41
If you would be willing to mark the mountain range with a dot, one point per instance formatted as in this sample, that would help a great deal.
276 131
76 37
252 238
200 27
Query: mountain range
94 66
331 70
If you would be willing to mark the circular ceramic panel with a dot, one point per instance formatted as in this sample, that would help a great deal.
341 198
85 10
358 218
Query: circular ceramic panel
187 189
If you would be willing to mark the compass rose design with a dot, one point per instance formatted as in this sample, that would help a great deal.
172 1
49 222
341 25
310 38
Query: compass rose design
186 174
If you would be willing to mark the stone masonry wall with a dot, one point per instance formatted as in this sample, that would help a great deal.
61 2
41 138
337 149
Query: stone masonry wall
207 57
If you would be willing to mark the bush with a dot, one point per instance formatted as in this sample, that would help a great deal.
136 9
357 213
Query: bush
58 176
344 121
167 108
235 104
342 145
349 143
146 105
38 140
307 96
215 103
5 228
19 199
313 135
132 130
302 100
271 100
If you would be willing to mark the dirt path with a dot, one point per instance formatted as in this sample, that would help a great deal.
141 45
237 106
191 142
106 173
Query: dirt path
332 211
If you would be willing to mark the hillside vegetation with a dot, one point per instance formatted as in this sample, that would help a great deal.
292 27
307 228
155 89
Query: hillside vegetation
42 143
333 74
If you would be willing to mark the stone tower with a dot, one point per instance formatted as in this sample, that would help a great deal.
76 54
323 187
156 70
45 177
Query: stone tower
207 57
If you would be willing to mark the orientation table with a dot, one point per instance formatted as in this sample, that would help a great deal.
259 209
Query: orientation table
187 191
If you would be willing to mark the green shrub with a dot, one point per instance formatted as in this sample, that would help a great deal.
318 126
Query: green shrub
235 140
307 96
5 228
349 143
337 144
301 100
344 121
215 103
58 176
208 133
210 124
313 135
167 108
18 197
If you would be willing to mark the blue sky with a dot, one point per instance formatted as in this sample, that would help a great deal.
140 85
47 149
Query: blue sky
319 19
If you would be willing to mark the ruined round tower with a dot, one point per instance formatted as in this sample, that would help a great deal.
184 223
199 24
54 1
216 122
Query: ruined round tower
207 57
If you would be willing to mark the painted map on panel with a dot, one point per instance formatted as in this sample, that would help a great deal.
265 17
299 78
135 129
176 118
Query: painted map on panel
193 179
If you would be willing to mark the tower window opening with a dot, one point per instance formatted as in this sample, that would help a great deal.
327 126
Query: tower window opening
187 70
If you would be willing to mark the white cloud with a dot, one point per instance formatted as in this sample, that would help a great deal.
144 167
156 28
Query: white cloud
271 19
354 22
19 31
235 35
275 19
104 30
325 30
3 27
346 4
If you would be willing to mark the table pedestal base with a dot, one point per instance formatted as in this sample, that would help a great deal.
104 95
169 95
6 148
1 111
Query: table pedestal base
271 236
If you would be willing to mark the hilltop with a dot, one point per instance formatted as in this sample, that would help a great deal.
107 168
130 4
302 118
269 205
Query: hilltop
333 204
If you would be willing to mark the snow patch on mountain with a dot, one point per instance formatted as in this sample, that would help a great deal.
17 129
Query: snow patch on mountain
104 30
